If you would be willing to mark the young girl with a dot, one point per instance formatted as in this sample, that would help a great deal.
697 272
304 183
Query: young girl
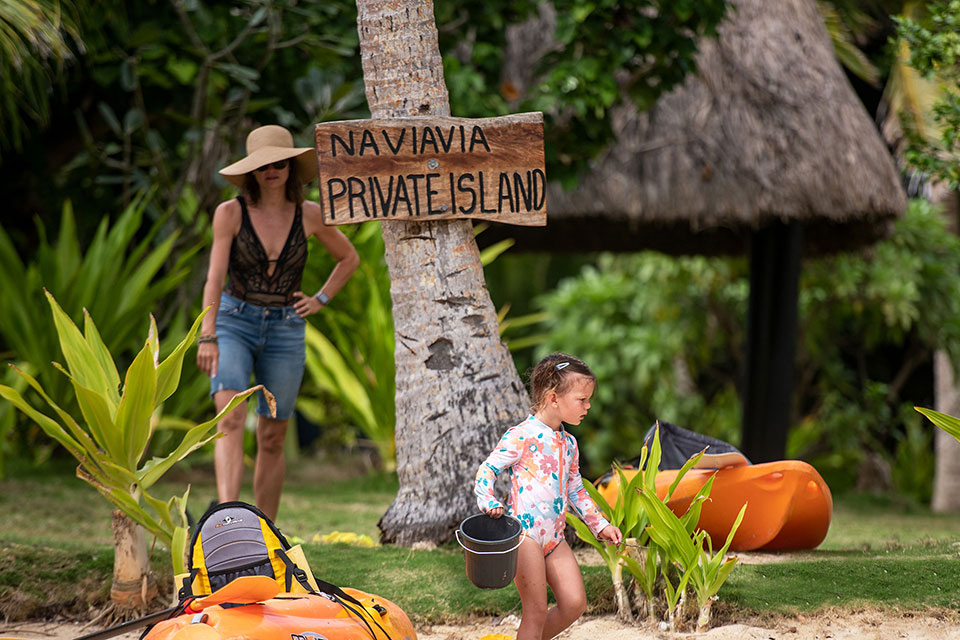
545 477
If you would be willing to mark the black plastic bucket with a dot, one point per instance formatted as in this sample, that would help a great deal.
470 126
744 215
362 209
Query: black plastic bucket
490 549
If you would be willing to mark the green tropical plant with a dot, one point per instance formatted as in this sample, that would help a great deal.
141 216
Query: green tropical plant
610 554
113 433
704 569
652 565
645 559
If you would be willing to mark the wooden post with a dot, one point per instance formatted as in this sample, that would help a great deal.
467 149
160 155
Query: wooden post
775 257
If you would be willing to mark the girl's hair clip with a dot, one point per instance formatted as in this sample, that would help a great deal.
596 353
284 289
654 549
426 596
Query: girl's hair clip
562 365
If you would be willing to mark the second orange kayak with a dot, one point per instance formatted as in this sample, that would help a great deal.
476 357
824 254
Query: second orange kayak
789 506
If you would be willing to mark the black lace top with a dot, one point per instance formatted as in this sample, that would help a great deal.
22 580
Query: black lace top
251 279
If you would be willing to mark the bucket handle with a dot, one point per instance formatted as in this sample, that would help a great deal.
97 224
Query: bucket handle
486 553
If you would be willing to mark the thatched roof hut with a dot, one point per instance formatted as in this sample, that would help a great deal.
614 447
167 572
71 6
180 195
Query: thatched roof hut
769 130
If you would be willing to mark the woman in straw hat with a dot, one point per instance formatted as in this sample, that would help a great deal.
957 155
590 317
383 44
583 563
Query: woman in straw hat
257 324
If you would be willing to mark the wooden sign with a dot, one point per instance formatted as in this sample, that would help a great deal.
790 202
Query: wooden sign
433 169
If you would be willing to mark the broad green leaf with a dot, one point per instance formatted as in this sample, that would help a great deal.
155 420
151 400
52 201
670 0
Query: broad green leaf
492 252
666 529
633 509
178 549
121 477
81 360
584 533
722 574
125 502
99 419
136 404
682 472
948 423
339 379
102 355
733 530
153 337
691 518
162 508
653 462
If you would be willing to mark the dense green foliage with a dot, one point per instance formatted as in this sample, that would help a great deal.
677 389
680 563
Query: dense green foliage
934 42
35 39
665 338
177 85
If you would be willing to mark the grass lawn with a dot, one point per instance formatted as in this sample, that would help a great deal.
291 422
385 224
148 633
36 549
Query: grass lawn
56 551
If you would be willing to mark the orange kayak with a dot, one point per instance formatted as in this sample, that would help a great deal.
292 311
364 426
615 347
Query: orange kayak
292 616
789 506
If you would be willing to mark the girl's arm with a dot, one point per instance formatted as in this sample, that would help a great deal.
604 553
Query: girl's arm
505 455
577 495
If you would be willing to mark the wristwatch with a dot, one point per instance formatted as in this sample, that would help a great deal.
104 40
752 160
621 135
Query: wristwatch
322 298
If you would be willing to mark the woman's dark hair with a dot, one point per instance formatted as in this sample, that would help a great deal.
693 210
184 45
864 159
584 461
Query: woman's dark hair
293 190
555 373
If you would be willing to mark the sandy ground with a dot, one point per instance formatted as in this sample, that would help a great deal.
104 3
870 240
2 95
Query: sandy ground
840 626
862 625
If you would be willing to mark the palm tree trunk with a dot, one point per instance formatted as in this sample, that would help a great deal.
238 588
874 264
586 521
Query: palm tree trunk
946 481
457 386
133 585
620 594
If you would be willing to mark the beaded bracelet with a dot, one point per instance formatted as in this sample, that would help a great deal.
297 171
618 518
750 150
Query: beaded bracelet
203 339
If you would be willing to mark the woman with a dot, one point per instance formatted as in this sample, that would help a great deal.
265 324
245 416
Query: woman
257 324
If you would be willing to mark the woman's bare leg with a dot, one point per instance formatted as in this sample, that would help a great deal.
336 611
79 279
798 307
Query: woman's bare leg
271 467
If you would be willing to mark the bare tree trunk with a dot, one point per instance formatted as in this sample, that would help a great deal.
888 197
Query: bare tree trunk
133 585
946 481
457 386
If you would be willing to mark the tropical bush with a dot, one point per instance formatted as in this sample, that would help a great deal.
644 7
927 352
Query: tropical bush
666 336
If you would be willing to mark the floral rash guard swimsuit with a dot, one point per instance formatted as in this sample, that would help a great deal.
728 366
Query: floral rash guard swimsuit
545 477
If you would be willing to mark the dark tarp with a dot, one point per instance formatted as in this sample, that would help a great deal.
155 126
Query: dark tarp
677 445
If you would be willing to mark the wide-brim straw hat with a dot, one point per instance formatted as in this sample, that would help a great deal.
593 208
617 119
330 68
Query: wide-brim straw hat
272 143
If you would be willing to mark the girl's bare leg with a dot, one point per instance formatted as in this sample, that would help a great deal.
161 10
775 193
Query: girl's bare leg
531 581
563 576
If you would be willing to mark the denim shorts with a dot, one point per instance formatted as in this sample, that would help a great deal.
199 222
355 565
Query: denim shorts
267 342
